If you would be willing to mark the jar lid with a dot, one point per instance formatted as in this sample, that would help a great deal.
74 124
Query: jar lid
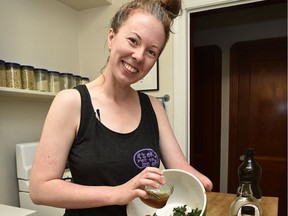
41 70
77 76
2 62
66 74
53 72
12 64
27 67
85 78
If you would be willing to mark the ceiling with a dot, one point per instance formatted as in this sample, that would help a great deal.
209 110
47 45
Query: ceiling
85 4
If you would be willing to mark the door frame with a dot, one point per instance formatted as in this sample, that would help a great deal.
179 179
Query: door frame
181 75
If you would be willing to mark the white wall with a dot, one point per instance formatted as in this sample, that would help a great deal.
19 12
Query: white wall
39 33
43 34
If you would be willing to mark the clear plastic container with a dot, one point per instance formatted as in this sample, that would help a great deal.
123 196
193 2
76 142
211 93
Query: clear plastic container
13 75
2 74
41 77
66 81
84 80
28 78
54 81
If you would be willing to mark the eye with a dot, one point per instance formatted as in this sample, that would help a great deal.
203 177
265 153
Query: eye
152 53
133 41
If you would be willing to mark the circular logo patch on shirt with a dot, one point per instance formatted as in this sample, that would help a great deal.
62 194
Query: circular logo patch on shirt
146 158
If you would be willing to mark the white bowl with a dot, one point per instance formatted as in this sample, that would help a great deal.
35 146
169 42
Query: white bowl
188 190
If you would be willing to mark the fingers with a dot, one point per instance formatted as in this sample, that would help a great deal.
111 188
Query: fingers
151 176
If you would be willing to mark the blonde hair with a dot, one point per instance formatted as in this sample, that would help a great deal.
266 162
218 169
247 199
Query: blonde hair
164 10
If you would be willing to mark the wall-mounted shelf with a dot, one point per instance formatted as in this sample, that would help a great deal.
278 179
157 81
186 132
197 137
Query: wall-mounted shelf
25 94
85 4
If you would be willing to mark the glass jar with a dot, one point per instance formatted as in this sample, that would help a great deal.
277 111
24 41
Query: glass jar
54 81
77 80
28 78
158 197
2 74
41 77
66 81
13 75
84 80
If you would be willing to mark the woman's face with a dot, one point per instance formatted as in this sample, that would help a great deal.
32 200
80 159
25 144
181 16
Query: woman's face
135 48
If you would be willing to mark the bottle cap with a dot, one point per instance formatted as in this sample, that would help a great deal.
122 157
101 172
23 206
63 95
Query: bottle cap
250 152
248 210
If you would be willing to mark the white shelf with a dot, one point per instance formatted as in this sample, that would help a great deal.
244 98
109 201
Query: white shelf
85 4
25 94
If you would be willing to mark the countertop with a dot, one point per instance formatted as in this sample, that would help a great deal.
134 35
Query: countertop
218 204
6 210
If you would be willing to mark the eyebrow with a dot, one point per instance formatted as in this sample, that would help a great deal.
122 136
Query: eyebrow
139 37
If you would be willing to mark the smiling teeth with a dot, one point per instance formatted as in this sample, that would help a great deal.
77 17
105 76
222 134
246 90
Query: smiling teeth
129 68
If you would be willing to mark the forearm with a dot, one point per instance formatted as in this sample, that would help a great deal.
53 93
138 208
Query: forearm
63 194
208 185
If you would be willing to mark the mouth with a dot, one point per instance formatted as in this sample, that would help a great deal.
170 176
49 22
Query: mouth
130 68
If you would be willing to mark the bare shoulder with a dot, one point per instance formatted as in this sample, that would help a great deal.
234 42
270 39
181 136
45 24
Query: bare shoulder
68 97
157 106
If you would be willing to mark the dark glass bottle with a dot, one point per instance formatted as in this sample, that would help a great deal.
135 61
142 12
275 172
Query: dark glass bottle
250 167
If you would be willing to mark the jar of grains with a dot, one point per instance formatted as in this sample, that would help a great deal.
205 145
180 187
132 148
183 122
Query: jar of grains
2 73
66 81
41 77
13 75
27 76
84 80
77 80
54 81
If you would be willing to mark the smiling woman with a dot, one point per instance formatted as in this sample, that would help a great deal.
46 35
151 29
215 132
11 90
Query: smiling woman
113 159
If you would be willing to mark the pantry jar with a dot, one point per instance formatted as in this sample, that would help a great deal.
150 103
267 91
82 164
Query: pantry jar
41 77
28 78
84 80
66 81
13 75
54 81
77 80
2 74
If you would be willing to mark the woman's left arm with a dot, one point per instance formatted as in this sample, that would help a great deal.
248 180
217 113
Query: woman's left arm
172 155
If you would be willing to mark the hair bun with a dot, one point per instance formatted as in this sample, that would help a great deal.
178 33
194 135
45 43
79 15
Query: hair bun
173 7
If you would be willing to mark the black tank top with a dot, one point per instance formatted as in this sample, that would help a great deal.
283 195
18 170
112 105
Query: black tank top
102 157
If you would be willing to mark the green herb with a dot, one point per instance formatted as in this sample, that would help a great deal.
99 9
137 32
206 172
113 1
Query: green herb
181 211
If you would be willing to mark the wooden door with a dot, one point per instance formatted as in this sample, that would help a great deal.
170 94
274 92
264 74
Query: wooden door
258 113
205 121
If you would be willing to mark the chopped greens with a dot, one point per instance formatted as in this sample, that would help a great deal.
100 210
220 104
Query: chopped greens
181 211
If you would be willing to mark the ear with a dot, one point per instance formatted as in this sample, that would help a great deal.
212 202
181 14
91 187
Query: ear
110 38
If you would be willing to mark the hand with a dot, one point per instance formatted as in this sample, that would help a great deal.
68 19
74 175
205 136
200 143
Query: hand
208 185
150 176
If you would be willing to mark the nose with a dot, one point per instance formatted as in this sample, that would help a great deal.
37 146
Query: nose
138 55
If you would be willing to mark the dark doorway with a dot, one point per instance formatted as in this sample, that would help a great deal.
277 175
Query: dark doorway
200 127
205 112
